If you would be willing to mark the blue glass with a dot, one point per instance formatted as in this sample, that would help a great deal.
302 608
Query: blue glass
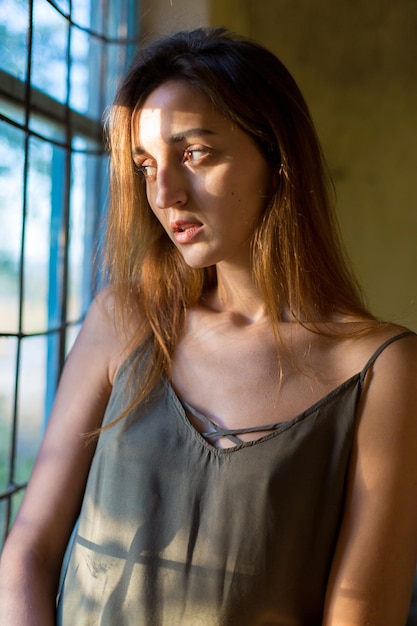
86 72
12 157
8 348
63 5
47 129
50 45
37 236
14 21
31 404
12 111
73 63
81 12
81 72
116 62
81 233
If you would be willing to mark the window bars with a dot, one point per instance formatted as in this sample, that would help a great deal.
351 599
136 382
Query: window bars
59 63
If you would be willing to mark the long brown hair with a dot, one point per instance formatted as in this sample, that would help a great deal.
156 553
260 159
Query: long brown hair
297 255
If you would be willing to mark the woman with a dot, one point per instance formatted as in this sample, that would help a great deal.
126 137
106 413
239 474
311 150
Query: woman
256 463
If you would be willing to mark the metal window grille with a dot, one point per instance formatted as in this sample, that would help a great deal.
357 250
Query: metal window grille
59 63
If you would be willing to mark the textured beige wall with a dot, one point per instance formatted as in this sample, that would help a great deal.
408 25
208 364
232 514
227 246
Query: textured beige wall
356 63
167 16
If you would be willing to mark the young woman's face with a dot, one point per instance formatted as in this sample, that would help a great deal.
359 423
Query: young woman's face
206 180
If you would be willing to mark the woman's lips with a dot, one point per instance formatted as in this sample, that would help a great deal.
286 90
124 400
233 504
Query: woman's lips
185 232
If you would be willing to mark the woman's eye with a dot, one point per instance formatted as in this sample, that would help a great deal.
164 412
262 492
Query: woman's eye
146 170
194 154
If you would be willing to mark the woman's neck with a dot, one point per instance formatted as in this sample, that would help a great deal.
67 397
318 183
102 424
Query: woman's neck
236 293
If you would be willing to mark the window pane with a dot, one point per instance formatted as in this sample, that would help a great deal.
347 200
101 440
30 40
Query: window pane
80 236
87 171
117 20
31 398
86 73
11 111
51 222
81 13
8 348
116 59
11 190
86 51
50 42
80 71
37 247
96 64
31 380
47 128
14 19
63 5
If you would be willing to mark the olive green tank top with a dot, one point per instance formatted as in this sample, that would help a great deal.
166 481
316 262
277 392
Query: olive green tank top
176 532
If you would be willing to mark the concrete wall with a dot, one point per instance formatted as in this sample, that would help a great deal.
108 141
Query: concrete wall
167 16
356 63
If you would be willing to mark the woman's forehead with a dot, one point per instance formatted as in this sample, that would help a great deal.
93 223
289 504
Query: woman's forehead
173 111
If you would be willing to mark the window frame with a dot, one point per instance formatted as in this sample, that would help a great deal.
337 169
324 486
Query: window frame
22 95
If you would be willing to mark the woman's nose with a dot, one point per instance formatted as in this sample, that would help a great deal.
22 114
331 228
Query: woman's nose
171 188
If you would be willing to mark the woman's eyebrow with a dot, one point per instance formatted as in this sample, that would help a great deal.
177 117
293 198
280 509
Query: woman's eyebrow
191 132
177 138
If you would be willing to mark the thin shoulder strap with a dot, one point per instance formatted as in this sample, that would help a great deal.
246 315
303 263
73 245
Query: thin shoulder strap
381 349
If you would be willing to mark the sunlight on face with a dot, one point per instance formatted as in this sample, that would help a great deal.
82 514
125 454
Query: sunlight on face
206 180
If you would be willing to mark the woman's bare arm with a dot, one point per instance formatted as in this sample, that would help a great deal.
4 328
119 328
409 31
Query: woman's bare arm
374 564
32 556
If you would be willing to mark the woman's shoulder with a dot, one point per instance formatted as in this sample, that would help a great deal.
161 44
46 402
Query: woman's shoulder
369 341
119 323
386 356
349 346
392 360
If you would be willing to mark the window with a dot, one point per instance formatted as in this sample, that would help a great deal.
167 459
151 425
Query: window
59 64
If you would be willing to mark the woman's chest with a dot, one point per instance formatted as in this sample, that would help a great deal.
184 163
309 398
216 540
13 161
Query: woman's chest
238 378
